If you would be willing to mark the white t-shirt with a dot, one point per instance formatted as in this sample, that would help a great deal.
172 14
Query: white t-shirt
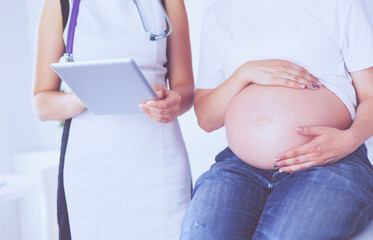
330 38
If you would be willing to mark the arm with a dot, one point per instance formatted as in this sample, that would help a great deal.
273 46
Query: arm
211 105
179 55
362 127
48 102
179 99
330 144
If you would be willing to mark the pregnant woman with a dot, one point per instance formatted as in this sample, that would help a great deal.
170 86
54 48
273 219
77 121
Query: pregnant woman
125 176
292 82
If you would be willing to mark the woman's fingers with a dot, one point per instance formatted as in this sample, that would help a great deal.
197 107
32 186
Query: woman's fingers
298 167
298 82
304 75
289 83
293 72
304 79
304 149
294 161
295 67
276 72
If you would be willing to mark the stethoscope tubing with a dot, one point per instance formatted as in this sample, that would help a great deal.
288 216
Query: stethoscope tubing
68 55
153 36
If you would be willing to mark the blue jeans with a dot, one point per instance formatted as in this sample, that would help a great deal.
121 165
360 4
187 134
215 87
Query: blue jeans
236 201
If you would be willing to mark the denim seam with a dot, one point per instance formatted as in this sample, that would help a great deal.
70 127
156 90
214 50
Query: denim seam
356 220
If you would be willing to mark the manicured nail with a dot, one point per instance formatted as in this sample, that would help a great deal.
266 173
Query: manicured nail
302 86
319 84
141 107
277 159
275 165
149 103
281 170
314 85
299 129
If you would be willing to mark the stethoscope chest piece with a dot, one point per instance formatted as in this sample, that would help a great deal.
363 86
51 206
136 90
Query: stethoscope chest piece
66 57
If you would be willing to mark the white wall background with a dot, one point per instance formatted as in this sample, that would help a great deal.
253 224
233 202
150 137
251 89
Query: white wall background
19 129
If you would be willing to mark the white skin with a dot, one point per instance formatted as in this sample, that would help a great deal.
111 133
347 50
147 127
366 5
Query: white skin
329 144
51 104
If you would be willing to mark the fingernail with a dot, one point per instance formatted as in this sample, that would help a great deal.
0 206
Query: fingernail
281 170
275 165
159 92
314 85
149 103
319 84
141 107
302 86
277 159
299 129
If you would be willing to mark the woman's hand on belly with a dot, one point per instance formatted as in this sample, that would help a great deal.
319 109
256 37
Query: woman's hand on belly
164 110
277 73
211 105
328 146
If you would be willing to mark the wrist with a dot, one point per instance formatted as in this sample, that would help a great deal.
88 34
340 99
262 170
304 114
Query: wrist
242 75
78 105
353 139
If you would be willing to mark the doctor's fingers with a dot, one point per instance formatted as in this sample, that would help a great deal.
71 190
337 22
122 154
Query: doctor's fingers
164 111
164 118
158 117
161 118
169 102
159 111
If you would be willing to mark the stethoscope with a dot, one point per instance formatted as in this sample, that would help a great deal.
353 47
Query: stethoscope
68 55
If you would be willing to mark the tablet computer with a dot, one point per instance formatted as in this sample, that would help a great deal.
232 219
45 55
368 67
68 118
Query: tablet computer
107 86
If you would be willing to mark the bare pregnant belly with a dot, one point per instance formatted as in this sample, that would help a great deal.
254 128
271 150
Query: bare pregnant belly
260 121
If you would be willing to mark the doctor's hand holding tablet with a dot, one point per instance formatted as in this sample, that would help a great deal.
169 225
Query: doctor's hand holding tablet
166 108
117 86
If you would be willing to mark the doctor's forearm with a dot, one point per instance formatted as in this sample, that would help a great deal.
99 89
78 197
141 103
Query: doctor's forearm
53 105
186 92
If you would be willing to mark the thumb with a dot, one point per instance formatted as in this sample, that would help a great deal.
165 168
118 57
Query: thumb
310 131
159 94
159 90
157 87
